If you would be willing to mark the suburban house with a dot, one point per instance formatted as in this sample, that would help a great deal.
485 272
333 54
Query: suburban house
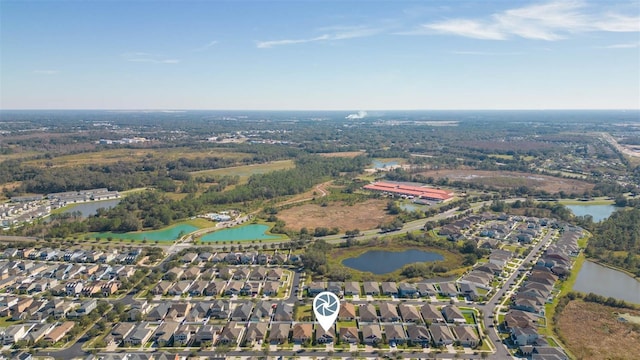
368 313
138 336
407 290
371 334
431 314
256 333
279 333
371 288
302 333
230 334
395 334
347 312
388 312
409 313
389 288
349 335
418 335
452 314
441 334
351 288
59 332
325 337
466 335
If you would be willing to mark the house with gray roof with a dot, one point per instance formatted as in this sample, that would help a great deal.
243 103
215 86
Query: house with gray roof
389 312
368 313
418 335
395 334
441 334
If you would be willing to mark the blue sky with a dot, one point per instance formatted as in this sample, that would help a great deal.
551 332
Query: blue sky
324 55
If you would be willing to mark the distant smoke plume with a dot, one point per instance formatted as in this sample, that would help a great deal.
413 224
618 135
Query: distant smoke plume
359 115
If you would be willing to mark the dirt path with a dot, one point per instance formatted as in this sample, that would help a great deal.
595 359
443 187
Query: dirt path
308 196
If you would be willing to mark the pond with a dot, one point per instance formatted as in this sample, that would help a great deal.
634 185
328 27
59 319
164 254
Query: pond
607 282
167 234
247 232
598 212
87 209
412 207
378 164
383 262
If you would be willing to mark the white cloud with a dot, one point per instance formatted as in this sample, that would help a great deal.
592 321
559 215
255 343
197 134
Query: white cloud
46 72
143 57
206 46
622 46
330 34
550 22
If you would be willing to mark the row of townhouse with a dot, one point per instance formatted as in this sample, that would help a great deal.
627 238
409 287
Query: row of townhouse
482 275
179 334
237 258
29 309
197 312
30 277
528 303
216 288
373 288
73 256
235 333
241 258
386 312
33 332
257 273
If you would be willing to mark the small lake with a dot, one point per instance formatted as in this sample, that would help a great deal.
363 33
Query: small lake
90 208
411 207
167 234
242 233
378 164
598 212
383 262
607 282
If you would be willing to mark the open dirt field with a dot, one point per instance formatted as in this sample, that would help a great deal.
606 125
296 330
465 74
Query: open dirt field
245 171
111 156
593 331
361 216
346 154
510 179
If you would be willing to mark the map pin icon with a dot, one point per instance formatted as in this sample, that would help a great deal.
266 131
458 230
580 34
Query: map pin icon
326 306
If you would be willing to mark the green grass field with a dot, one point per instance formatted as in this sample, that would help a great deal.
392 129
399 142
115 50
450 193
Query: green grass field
245 171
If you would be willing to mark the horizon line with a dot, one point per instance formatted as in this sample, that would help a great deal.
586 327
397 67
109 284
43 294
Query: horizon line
327 110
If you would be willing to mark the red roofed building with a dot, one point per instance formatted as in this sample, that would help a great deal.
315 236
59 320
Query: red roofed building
408 190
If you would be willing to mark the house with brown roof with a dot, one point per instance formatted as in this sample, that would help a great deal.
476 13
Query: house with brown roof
279 333
349 335
347 312
59 332
230 334
325 337
302 333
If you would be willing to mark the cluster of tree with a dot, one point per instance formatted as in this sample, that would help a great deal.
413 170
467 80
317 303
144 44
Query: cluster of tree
616 240
315 256
309 170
